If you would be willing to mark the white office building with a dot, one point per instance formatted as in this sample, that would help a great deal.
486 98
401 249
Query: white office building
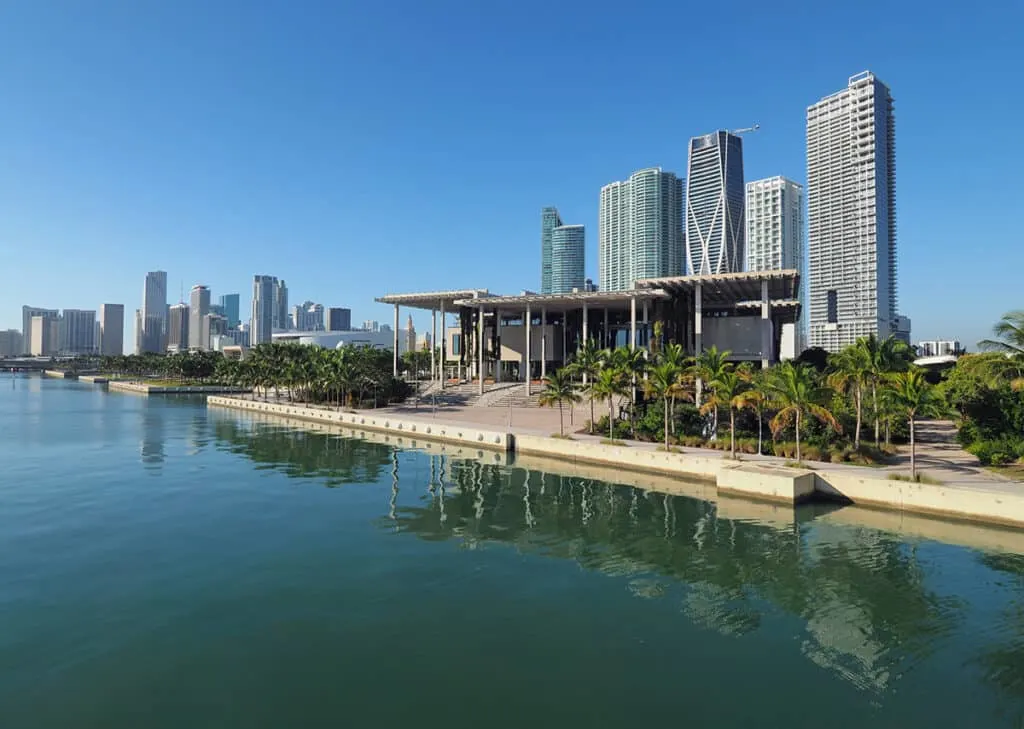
198 308
308 317
775 240
640 229
851 196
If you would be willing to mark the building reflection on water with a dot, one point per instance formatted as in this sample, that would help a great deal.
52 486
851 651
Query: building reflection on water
868 611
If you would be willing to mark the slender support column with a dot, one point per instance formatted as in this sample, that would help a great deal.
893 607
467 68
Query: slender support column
442 346
647 329
632 322
565 327
480 345
497 345
766 327
607 334
543 342
529 341
395 364
698 320
433 345
586 336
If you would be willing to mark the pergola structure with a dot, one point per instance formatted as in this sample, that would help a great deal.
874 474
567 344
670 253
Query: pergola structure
685 307
432 301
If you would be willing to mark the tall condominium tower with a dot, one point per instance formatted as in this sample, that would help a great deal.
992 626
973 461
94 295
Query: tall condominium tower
199 307
111 329
281 319
714 204
775 237
261 327
549 220
178 323
27 314
851 196
567 257
640 229
229 303
78 331
308 317
154 312
339 319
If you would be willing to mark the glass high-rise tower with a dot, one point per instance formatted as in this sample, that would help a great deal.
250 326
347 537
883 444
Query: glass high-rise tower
714 204
549 220
851 200
640 229
567 259
261 326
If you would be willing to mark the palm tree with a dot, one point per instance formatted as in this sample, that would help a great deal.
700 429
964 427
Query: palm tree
1009 333
709 365
559 388
886 356
607 386
726 391
851 371
796 393
755 398
911 395
662 382
587 363
630 364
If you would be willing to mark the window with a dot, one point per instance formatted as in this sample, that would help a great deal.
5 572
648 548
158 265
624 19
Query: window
456 344
833 306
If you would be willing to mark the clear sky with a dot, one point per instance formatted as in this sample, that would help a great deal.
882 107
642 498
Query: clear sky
356 149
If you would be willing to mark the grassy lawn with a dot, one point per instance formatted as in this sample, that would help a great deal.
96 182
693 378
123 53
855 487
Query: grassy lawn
1013 470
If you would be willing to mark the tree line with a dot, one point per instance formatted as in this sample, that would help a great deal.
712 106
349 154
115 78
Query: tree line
869 389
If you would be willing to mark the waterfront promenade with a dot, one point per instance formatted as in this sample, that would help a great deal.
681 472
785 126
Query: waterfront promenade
963 490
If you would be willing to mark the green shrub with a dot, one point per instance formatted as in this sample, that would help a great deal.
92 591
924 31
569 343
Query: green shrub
997 452
812 453
746 445
836 454
784 449
691 441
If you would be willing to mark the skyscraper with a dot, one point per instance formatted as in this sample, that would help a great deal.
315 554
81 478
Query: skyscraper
43 342
549 220
153 315
261 326
714 204
111 329
339 319
567 256
280 313
178 323
640 229
230 304
308 317
410 336
78 331
11 343
199 307
27 314
851 196
775 239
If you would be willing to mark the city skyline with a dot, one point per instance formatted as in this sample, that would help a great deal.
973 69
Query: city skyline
168 199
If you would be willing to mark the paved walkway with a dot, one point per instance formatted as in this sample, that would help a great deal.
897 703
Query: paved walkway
939 455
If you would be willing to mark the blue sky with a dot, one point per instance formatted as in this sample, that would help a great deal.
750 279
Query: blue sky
362 148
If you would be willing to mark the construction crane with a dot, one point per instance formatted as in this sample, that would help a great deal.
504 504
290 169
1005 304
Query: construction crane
746 130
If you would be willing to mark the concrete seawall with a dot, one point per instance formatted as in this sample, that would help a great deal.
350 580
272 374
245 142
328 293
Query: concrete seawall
142 388
412 429
60 374
649 468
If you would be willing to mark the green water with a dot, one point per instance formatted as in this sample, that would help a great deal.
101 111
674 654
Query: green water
162 565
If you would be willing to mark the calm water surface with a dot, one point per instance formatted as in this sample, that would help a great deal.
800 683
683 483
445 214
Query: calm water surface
166 566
